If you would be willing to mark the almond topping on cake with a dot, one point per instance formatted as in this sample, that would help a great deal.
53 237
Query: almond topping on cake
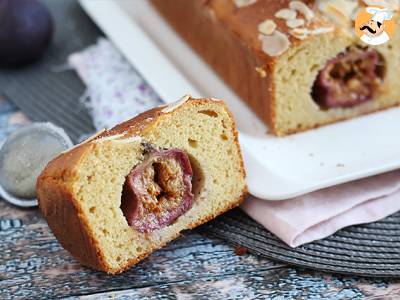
286 14
267 27
339 11
274 44
390 4
299 33
174 105
302 33
303 9
301 28
295 23
242 3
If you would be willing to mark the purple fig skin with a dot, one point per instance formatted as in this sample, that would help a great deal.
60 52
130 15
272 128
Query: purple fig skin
325 90
135 191
26 29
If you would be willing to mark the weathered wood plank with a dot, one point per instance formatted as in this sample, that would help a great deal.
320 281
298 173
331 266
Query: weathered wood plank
277 284
33 265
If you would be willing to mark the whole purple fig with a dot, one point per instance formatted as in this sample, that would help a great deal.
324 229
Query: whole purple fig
26 28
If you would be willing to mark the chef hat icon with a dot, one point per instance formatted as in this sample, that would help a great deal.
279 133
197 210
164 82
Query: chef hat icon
379 14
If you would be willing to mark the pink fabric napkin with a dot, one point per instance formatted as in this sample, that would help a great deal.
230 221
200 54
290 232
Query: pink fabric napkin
319 214
296 221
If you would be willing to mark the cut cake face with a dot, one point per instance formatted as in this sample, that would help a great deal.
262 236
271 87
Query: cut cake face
114 199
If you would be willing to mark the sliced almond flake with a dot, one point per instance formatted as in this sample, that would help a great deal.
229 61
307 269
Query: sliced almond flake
302 8
299 34
109 138
242 3
286 14
322 30
176 104
131 139
302 33
390 4
336 15
339 11
295 23
267 27
261 71
275 44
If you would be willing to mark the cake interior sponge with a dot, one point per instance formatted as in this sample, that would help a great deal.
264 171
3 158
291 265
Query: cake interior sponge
117 197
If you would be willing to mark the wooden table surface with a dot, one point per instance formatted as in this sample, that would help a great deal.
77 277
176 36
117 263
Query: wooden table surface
33 266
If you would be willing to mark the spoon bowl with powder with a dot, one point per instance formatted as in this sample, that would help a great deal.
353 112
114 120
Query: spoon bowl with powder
24 155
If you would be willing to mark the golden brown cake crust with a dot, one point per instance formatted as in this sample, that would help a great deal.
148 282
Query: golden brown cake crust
61 209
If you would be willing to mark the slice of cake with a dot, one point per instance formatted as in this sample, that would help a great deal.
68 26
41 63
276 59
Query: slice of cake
297 64
119 196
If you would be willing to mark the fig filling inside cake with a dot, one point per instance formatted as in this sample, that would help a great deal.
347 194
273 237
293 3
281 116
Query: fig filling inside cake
349 79
158 190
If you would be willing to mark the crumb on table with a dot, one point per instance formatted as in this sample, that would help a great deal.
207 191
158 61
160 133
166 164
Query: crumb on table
239 250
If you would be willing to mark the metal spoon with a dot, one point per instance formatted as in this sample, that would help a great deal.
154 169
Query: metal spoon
24 155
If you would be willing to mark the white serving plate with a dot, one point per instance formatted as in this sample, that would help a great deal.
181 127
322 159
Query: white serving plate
277 168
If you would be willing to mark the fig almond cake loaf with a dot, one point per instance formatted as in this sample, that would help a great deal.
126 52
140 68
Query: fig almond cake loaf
128 191
297 64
